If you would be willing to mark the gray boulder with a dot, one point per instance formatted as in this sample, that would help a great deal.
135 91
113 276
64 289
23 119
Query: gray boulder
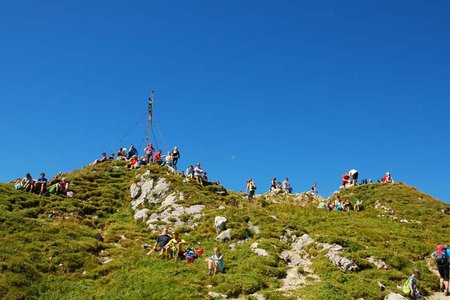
224 235
394 296
254 228
135 191
302 242
378 263
220 223
342 263
141 215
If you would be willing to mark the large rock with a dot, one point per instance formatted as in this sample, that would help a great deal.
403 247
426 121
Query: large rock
220 223
224 235
293 259
195 209
141 215
170 200
161 187
342 263
135 191
378 263
394 296
302 242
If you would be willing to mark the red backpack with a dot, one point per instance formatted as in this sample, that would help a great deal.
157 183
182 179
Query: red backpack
441 255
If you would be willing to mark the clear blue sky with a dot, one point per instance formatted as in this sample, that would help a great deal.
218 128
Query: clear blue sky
303 89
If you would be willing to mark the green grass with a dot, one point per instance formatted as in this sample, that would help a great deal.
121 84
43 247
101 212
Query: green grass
49 248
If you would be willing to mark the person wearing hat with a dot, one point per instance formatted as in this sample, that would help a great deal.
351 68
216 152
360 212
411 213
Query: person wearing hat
250 189
387 178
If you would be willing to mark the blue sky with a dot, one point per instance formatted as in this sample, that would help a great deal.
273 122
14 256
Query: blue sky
251 89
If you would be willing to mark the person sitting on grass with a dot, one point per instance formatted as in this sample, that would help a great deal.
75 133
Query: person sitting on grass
168 160
112 156
41 184
215 262
338 203
330 204
62 187
28 183
358 205
190 172
161 241
103 159
133 164
387 178
175 246
157 157
347 205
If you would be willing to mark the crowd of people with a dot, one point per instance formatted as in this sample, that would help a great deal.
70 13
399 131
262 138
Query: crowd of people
172 247
41 186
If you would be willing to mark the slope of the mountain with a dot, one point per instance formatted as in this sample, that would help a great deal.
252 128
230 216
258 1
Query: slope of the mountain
281 247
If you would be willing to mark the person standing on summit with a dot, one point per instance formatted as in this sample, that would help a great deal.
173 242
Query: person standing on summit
353 176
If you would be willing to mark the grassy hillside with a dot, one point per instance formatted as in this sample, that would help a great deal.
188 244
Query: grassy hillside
51 246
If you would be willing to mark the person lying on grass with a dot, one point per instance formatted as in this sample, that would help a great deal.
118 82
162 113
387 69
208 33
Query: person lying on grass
215 262
161 242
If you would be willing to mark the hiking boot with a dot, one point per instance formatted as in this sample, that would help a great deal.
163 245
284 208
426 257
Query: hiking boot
441 288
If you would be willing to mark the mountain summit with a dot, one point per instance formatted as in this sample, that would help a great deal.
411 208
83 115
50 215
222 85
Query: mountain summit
282 246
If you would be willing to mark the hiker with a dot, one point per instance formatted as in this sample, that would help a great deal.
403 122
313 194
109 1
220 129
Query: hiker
111 157
62 187
353 177
133 164
250 189
56 179
338 203
273 184
157 157
314 189
198 174
330 204
41 184
161 241
28 183
190 172
358 205
286 186
103 159
18 184
387 178
174 246
149 152
122 154
168 160
410 286
347 205
175 156
345 180
441 257
215 262
205 177
132 151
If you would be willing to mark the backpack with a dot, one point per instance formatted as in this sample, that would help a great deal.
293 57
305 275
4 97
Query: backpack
254 186
441 255
406 289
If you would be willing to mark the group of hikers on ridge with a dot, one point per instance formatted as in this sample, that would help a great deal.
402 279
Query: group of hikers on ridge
131 155
57 185
350 178
172 247
170 160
